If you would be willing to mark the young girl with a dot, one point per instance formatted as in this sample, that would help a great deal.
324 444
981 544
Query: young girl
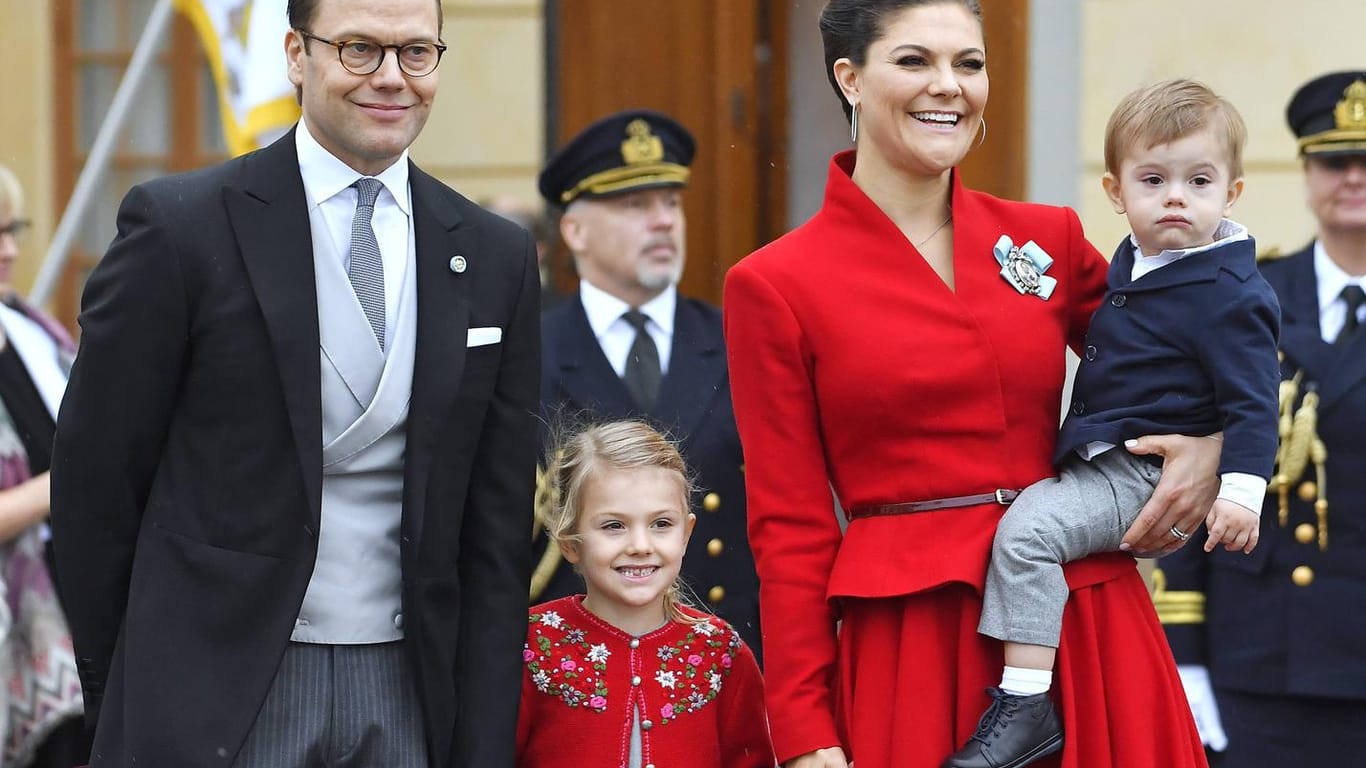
628 675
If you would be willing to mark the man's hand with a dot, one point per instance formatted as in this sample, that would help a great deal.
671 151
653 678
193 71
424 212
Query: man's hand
1183 497
1233 525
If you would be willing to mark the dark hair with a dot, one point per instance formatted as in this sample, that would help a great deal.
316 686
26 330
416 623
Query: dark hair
302 12
849 27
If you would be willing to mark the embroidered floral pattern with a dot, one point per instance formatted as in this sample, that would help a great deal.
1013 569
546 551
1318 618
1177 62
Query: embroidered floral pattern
691 664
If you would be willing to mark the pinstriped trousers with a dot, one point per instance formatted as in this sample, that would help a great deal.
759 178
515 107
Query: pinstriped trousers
338 706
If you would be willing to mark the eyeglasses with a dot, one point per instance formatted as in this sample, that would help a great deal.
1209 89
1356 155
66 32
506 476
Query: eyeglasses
17 227
364 57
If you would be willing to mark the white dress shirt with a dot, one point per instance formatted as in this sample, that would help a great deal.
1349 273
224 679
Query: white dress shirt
327 186
1332 307
616 336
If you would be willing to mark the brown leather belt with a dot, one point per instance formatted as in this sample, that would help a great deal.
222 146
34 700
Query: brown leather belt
1002 496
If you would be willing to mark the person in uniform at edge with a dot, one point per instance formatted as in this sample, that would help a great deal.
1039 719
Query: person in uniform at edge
1284 683
293 463
629 346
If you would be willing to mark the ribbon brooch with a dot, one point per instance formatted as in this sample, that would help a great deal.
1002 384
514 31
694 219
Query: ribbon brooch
1024 267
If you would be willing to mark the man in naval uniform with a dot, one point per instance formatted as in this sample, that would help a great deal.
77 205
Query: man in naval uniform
291 476
1272 645
630 346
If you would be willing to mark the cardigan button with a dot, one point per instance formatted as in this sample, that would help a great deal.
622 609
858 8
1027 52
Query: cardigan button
1118 300
635 679
646 725
635 642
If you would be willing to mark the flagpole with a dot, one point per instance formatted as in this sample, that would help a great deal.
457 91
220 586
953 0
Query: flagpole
100 152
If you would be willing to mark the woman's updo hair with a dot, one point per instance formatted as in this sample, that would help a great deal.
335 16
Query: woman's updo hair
587 451
849 27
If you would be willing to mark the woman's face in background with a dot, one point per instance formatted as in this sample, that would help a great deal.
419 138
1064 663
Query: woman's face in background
922 89
10 230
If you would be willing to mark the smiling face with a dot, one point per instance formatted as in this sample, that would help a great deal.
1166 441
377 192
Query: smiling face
633 530
366 121
629 245
1175 194
922 90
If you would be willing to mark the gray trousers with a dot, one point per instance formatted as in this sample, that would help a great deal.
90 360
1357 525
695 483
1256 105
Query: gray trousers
1085 510
338 706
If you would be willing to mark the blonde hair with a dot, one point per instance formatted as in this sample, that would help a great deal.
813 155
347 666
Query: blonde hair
11 194
589 451
1170 110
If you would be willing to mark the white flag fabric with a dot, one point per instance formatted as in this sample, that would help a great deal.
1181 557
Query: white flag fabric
244 40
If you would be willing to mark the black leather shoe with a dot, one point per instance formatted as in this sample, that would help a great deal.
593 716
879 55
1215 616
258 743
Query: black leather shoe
1014 732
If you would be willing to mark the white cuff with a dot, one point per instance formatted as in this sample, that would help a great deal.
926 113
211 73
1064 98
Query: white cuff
1243 489
1204 709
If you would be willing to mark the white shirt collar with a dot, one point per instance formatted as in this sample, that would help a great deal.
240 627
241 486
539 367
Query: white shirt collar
603 308
325 176
1228 231
1330 277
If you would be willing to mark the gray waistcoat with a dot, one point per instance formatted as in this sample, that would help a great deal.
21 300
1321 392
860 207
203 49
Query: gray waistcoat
353 596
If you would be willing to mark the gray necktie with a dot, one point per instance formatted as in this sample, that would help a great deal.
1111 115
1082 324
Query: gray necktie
366 269
642 363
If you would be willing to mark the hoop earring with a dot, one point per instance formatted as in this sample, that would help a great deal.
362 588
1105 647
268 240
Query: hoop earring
983 140
853 125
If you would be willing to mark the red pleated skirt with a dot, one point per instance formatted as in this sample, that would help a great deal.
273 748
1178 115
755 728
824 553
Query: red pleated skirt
913 674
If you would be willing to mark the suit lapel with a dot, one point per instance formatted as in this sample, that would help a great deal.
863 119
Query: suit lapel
443 316
1301 340
697 371
586 377
269 215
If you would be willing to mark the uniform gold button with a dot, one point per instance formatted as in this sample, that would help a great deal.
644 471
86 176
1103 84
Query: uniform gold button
711 502
716 594
1303 576
1304 533
1308 491
715 547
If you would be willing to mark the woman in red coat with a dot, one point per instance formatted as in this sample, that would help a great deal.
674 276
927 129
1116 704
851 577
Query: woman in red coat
898 349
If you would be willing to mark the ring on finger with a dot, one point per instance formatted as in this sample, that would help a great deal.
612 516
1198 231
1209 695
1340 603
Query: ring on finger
1180 534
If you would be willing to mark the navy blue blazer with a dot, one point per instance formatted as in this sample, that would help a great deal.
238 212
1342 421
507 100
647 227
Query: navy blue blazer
694 407
1260 631
1189 349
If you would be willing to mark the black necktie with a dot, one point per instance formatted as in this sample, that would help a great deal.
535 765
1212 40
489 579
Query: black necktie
642 363
1354 297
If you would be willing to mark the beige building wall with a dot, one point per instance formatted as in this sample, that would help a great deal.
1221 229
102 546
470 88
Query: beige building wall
486 134
1253 53
26 121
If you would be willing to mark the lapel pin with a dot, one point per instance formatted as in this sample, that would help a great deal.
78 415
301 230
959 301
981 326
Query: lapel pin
458 264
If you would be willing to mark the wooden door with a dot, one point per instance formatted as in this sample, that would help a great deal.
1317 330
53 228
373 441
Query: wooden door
716 66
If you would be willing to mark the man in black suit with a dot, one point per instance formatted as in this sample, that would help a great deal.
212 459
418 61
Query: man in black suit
629 346
291 470
1272 646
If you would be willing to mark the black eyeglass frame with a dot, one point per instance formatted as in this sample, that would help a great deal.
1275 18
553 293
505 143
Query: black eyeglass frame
16 228
383 51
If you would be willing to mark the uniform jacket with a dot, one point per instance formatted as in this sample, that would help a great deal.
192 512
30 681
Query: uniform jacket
694 406
1244 615
697 690
854 366
1189 349
187 470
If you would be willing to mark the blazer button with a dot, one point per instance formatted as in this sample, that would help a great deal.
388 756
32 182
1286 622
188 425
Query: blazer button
1078 407
1303 576
711 502
716 595
1091 352
1118 300
715 547
398 621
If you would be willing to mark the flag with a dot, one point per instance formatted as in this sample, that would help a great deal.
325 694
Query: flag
245 43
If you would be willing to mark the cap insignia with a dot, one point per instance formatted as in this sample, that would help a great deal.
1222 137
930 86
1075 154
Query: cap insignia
1350 113
641 146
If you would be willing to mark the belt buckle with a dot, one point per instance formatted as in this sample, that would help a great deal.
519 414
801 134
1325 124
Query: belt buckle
1001 497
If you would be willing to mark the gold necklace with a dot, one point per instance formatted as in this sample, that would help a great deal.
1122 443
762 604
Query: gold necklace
931 235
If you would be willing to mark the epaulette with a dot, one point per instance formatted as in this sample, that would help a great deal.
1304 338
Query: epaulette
1271 254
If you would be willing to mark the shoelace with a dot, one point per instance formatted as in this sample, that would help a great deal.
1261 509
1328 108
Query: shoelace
991 720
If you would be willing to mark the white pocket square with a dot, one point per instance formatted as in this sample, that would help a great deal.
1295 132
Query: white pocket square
479 337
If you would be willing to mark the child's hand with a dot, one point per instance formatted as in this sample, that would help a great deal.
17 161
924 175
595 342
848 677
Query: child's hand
1233 525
